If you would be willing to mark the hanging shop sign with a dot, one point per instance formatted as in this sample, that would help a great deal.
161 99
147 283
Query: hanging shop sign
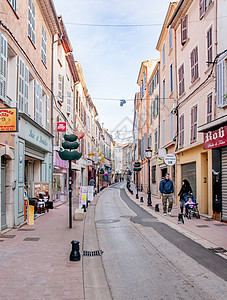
8 119
170 159
61 126
216 138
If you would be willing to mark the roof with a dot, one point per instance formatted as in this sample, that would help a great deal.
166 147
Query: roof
49 12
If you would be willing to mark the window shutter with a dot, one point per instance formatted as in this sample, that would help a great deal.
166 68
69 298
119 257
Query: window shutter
195 122
44 45
209 46
26 87
220 83
196 63
3 66
171 126
164 92
183 130
60 87
68 102
156 105
153 108
33 22
40 104
47 112
202 8
151 111
192 66
184 30
192 124
36 102
163 132
21 85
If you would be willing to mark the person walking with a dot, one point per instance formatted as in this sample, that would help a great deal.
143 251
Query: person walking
185 189
166 188
92 182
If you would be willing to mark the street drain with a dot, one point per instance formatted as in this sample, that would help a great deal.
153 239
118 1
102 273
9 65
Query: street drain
31 239
26 229
202 226
217 250
92 253
7 236
106 221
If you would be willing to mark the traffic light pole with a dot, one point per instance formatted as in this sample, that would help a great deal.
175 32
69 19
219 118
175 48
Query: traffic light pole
137 196
70 194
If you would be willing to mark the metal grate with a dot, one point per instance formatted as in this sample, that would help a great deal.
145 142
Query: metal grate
220 224
26 229
31 239
202 226
92 253
7 236
1 240
217 250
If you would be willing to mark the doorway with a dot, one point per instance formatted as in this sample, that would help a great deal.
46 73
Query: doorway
3 193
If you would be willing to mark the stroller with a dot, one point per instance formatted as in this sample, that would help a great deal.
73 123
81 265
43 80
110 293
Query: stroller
191 208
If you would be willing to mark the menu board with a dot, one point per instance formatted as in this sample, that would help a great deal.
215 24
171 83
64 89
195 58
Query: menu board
41 188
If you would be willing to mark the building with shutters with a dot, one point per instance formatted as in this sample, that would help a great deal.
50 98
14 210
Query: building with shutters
64 79
26 70
214 129
194 25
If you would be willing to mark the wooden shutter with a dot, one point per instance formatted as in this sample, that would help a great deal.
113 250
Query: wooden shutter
26 87
3 66
181 79
209 46
68 102
184 29
153 108
196 63
151 111
36 102
209 108
202 8
47 112
192 65
156 105
21 85
195 123
44 45
192 124
220 83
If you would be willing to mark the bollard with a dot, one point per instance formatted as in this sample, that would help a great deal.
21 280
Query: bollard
84 207
180 219
75 253
141 199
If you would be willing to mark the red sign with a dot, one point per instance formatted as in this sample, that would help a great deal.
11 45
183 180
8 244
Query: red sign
80 134
216 138
61 126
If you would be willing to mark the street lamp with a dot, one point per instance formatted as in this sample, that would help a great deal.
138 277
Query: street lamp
148 156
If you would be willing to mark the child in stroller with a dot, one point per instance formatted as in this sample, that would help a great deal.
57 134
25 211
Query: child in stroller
191 207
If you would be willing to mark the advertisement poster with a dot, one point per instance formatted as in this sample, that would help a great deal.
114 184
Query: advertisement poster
8 120
90 193
83 196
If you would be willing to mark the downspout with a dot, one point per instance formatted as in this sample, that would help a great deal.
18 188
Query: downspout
159 92
176 88
216 51
52 112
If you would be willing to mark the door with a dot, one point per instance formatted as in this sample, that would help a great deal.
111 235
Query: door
188 171
224 183
3 193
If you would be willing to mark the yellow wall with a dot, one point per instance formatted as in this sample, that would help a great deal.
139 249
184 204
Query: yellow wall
203 161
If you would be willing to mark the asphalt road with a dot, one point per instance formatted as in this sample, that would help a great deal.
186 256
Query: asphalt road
144 258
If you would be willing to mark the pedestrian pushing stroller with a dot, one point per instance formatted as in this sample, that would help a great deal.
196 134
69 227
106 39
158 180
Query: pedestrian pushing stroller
191 207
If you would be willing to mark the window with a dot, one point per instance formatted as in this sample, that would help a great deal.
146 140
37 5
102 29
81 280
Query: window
156 105
181 79
60 88
23 84
163 55
47 112
151 111
221 99
38 103
31 20
193 123
153 174
170 38
171 78
163 133
149 142
156 140
164 92
3 66
44 45
181 131
184 30
209 46
194 64
69 103
154 108
13 4
150 89
203 6
209 108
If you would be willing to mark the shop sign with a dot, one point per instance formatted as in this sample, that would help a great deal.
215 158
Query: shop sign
170 159
8 119
36 137
83 196
216 138
61 126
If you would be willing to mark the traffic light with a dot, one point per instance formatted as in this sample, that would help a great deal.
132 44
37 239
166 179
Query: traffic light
70 143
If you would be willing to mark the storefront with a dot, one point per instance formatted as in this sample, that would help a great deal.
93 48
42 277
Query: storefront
60 179
33 162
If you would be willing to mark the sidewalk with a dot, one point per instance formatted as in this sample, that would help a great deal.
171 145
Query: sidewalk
205 231
34 260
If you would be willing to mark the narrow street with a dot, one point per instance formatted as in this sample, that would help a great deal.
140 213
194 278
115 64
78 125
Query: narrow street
146 259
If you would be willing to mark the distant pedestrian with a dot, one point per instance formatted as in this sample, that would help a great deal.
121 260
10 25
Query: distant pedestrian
185 189
166 188
92 182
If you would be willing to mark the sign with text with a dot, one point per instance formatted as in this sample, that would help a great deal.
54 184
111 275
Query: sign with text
83 196
170 159
61 126
216 138
8 119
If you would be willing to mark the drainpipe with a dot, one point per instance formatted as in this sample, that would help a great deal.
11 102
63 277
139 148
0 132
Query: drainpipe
52 112
216 51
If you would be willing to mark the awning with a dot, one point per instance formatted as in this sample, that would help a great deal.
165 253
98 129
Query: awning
213 125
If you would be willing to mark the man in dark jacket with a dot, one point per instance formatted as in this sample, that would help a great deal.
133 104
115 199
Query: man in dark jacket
166 188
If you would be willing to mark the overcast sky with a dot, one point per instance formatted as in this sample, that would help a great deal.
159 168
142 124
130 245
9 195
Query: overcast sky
111 55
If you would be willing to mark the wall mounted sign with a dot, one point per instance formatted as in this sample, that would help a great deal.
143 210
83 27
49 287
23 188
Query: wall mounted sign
170 159
8 119
61 126
216 138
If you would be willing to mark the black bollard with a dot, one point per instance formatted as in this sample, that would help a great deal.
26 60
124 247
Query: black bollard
84 207
75 253
141 199
180 219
